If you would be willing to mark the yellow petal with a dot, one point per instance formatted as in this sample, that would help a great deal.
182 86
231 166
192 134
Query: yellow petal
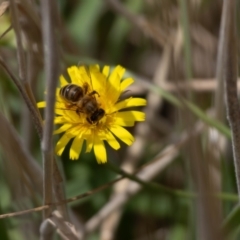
89 135
131 116
60 105
59 112
112 141
73 74
63 128
130 102
58 97
122 134
89 145
118 70
128 118
98 82
100 150
76 76
85 75
41 104
125 83
124 123
106 70
63 81
63 141
59 120
76 148
113 90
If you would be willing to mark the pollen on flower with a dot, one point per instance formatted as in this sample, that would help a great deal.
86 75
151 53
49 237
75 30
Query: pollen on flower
89 110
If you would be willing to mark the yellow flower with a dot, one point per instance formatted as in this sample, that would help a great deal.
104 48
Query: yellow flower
105 89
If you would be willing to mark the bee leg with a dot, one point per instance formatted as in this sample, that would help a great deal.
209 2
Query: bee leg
78 111
69 105
94 92
88 119
85 88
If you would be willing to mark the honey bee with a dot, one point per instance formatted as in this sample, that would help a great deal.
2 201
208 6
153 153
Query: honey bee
83 100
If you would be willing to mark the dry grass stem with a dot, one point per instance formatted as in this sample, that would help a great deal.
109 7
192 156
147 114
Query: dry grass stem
81 196
65 229
3 7
51 66
219 90
31 106
47 230
6 31
230 74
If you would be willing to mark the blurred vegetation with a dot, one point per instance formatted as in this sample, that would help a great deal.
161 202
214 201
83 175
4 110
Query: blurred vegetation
182 46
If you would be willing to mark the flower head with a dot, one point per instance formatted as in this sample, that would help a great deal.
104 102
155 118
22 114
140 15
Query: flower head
90 109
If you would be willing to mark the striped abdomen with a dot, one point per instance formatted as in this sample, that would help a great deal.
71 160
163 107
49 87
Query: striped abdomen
71 93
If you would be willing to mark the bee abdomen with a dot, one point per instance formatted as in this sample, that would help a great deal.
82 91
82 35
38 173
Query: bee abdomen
71 92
